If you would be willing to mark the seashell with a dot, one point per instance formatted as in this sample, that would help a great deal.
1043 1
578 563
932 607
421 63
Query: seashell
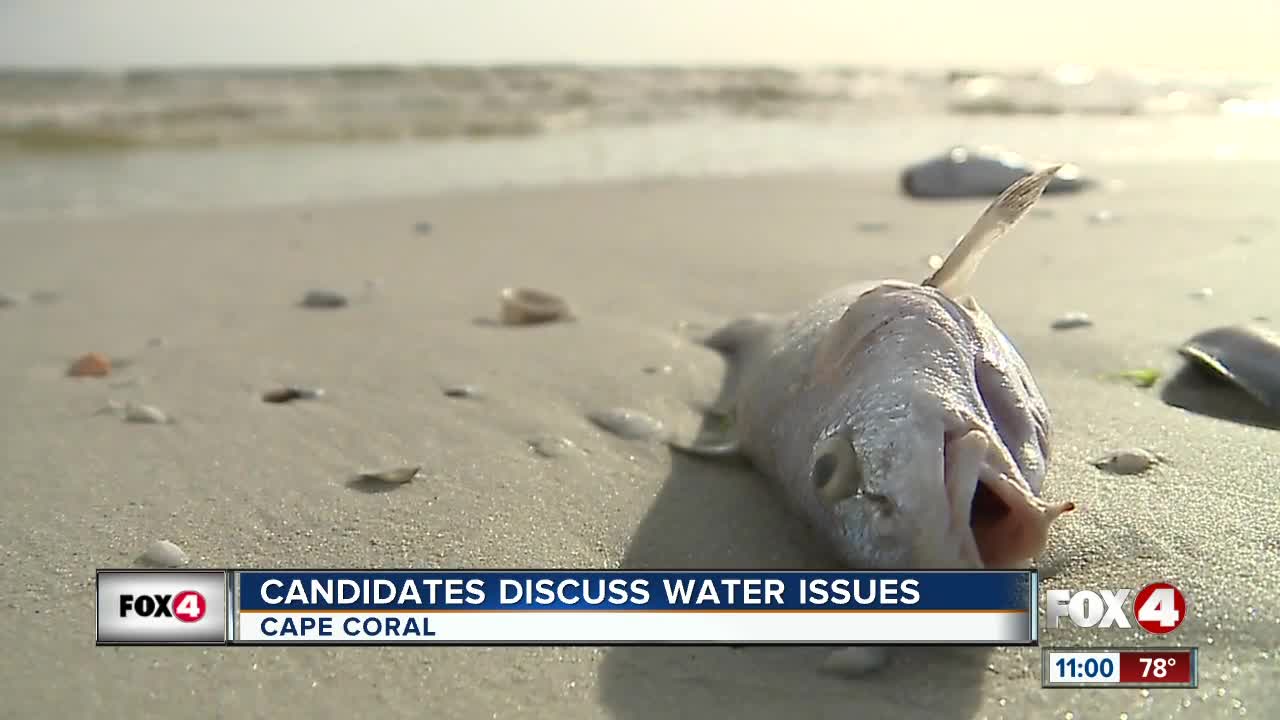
90 365
289 394
1072 320
977 172
398 476
1133 461
628 424
146 414
526 306
165 554
324 299
1246 355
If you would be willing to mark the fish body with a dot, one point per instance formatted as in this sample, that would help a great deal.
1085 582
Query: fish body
897 418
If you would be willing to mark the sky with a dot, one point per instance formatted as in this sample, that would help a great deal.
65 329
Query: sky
1223 36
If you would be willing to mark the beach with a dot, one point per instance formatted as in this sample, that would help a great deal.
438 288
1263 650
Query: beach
203 306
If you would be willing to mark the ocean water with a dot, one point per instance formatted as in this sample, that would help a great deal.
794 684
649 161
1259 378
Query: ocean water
88 143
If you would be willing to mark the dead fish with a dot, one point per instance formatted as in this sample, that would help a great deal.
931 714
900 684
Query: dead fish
1247 355
978 172
398 476
289 394
896 418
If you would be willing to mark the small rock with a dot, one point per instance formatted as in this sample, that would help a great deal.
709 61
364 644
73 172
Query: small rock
550 446
628 424
289 394
1072 320
324 299
464 391
1133 461
90 365
398 476
136 413
10 300
165 554
1102 216
1203 293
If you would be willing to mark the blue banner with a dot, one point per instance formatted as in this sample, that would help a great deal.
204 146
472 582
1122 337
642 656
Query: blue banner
611 590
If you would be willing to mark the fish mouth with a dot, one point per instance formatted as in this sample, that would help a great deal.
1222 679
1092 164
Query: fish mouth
998 520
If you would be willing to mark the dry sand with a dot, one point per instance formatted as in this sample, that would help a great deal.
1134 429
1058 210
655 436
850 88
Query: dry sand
242 483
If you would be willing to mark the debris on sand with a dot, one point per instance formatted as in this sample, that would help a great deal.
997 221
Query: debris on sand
980 172
289 394
473 392
324 299
627 424
164 554
1142 377
1072 320
398 476
551 446
144 414
90 365
526 306
1131 461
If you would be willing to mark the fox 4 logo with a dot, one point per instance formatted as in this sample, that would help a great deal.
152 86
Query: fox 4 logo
1159 608
188 606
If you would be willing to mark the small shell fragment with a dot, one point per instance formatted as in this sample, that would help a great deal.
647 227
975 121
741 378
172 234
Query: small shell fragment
398 476
1132 461
90 365
165 554
324 299
526 306
289 394
550 446
1072 320
627 423
144 414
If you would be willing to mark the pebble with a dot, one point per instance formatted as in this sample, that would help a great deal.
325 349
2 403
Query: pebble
289 394
1072 320
165 554
1202 294
1132 461
90 365
137 413
550 446
628 424
526 306
324 299
398 476
463 391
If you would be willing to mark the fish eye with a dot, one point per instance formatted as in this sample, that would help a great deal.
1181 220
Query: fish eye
836 473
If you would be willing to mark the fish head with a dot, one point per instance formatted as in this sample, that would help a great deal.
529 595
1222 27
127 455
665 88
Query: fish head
934 447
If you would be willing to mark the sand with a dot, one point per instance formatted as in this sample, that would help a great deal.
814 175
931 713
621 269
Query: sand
235 481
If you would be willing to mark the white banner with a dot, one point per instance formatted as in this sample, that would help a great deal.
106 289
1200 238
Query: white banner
622 627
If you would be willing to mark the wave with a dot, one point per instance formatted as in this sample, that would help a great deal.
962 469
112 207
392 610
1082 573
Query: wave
69 111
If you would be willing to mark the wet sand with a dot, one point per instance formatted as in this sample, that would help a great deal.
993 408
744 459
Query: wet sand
239 482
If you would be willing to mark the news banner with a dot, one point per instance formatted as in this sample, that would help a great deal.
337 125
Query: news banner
596 608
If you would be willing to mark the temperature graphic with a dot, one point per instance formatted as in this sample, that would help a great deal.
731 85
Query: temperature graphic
1119 667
